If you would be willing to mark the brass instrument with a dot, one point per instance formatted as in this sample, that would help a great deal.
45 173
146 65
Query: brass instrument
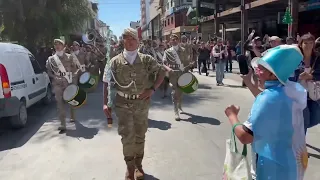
91 37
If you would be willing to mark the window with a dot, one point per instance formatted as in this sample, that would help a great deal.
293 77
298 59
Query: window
172 20
171 3
36 67
168 21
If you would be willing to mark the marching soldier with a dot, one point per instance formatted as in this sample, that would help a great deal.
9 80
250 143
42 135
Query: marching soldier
176 58
131 71
62 69
165 83
188 47
79 58
101 53
93 66
195 47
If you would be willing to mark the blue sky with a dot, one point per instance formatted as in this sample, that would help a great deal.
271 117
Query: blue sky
118 13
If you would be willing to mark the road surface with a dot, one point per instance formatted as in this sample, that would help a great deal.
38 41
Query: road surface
187 150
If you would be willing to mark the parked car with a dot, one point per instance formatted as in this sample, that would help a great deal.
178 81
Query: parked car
23 83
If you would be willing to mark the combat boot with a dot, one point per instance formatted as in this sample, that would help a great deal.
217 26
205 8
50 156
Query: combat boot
72 117
63 126
139 173
130 173
176 113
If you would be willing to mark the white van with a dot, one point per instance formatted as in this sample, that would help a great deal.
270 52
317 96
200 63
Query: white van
22 83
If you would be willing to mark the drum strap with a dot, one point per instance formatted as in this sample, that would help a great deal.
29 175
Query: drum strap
63 72
159 55
77 62
177 58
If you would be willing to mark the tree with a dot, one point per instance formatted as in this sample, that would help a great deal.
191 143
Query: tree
37 22
287 19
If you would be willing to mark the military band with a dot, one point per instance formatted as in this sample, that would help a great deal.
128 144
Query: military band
130 77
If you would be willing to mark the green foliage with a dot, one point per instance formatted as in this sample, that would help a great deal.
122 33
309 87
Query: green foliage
38 22
287 19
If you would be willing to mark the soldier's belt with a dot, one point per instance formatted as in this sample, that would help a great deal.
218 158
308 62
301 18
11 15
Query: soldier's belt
174 65
127 96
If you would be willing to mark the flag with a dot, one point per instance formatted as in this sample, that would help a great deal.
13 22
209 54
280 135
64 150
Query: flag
189 11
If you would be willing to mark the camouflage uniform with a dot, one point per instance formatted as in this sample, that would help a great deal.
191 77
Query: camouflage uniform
188 49
102 61
169 60
59 83
83 60
195 48
93 66
132 113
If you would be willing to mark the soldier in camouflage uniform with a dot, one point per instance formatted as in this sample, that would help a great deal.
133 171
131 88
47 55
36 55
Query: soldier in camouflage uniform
178 68
195 47
101 55
59 82
130 71
187 46
93 66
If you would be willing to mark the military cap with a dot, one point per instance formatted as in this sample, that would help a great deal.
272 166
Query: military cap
174 36
131 32
58 41
76 43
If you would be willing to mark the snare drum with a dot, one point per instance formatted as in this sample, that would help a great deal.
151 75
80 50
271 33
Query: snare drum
88 81
74 96
188 83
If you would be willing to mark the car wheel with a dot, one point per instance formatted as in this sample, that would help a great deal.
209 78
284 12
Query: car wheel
20 120
48 98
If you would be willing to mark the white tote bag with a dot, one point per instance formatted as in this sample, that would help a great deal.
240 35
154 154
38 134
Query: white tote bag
236 166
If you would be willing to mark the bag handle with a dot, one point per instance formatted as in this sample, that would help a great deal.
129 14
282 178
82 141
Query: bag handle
245 150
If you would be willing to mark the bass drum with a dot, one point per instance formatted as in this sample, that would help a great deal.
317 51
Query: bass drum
74 96
188 83
88 82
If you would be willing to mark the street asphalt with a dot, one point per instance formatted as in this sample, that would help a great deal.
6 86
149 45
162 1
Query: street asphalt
192 149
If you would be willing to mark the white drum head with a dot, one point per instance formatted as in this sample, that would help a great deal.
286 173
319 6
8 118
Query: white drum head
70 92
185 79
84 78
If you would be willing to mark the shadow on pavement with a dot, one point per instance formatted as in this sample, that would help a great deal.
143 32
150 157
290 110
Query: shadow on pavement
196 119
150 177
204 86
234 86
81 131
162 125
10 138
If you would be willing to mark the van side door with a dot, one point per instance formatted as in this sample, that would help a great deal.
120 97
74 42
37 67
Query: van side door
39 79
23 61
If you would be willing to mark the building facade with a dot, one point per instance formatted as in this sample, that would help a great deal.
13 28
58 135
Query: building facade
174 18
145 19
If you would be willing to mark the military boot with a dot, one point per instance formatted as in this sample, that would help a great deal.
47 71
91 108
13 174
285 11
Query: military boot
176 113
180 108
130 173
72 117
139 173
63 126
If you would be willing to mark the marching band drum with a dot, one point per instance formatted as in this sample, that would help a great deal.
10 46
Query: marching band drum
87 81
74 96
188 83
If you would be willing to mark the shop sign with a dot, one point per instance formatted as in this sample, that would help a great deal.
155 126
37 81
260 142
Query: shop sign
177 9
309 5
206 18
